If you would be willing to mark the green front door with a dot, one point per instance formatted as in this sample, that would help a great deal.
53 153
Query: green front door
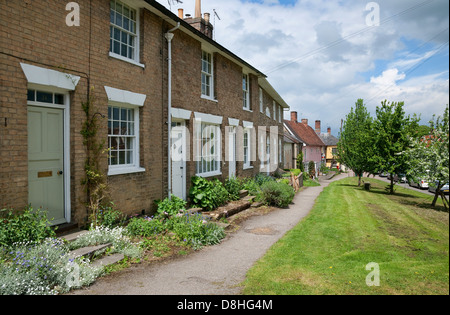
46 161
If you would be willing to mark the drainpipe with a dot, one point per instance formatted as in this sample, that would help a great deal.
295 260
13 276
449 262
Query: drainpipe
169 36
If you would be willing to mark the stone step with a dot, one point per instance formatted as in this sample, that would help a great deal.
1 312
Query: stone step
73 236
249 198
108 260
88 251
243 193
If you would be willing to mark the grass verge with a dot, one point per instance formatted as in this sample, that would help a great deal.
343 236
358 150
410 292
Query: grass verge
327 253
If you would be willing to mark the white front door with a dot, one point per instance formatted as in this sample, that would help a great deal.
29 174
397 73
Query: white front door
46 161
179 159
232 152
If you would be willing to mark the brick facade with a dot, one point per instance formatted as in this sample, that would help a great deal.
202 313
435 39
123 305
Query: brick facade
35 33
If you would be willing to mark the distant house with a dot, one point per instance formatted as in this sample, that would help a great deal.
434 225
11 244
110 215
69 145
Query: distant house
313 146
330 142
292 147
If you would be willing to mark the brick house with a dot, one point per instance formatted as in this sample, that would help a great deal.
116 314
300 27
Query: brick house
313 146
225 117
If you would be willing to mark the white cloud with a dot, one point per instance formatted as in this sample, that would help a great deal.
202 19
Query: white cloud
316 51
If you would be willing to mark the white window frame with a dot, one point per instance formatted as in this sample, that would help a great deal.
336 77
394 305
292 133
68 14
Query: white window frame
134 166
280 114
210 75
127 100
204 143
246 91
274 111
135 58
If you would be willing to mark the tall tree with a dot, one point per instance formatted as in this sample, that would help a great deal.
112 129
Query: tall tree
355 147
392 131
428 157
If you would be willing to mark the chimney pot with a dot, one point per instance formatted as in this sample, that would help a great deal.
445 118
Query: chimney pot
294 116
329 130
318 127
305 121
207 17
181 13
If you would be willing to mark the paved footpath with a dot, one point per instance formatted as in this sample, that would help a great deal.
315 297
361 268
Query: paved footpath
214 270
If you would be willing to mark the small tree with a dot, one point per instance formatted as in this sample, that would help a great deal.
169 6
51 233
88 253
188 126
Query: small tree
392 132
355 146
428 156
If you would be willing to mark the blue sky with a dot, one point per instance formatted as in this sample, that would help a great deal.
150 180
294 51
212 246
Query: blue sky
321 55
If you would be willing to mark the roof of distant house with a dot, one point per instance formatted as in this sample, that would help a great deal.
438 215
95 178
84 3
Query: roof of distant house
328 139
304 132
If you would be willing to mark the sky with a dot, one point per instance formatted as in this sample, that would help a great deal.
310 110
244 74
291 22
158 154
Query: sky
323 55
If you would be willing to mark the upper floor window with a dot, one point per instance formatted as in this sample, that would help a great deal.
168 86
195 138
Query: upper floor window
246 91
123 31
207 75
261 101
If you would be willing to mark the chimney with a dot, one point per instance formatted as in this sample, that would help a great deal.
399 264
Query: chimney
181 13
197 22
305 121
294 117
329 130
198 9
318 127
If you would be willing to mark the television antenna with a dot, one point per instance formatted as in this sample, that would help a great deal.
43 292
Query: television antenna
170 2
215 15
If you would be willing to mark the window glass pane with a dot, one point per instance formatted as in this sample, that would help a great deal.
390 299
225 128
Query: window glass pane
44 97
124 51
59 99
116 130
113 158
116 112
31 95
121 157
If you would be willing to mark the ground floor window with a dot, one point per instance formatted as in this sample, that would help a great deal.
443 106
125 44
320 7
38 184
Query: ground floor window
207 138
122 136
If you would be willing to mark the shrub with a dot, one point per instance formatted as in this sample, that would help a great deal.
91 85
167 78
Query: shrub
207 195
261 178
109 217
196 230
311 169
146 227
45 268
276 194
252 186
171 207
233 186
28 226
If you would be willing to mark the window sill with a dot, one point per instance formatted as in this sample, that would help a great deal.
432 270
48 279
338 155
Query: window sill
210 174
247 110
125 170
247 167
208 98
133 62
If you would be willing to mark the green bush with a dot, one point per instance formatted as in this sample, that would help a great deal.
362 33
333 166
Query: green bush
196 231
233 186
109 217
276 194
251 185
207 195
171 207
27 226
146 227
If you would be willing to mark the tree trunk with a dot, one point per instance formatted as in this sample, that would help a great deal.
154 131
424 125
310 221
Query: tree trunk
436 195
359 180
391 188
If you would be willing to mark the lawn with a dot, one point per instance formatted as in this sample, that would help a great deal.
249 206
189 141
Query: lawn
349 227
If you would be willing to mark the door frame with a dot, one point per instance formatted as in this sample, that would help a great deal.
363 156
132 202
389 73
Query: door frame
66 140
184 156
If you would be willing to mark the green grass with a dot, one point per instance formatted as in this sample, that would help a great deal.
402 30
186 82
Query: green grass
348 228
